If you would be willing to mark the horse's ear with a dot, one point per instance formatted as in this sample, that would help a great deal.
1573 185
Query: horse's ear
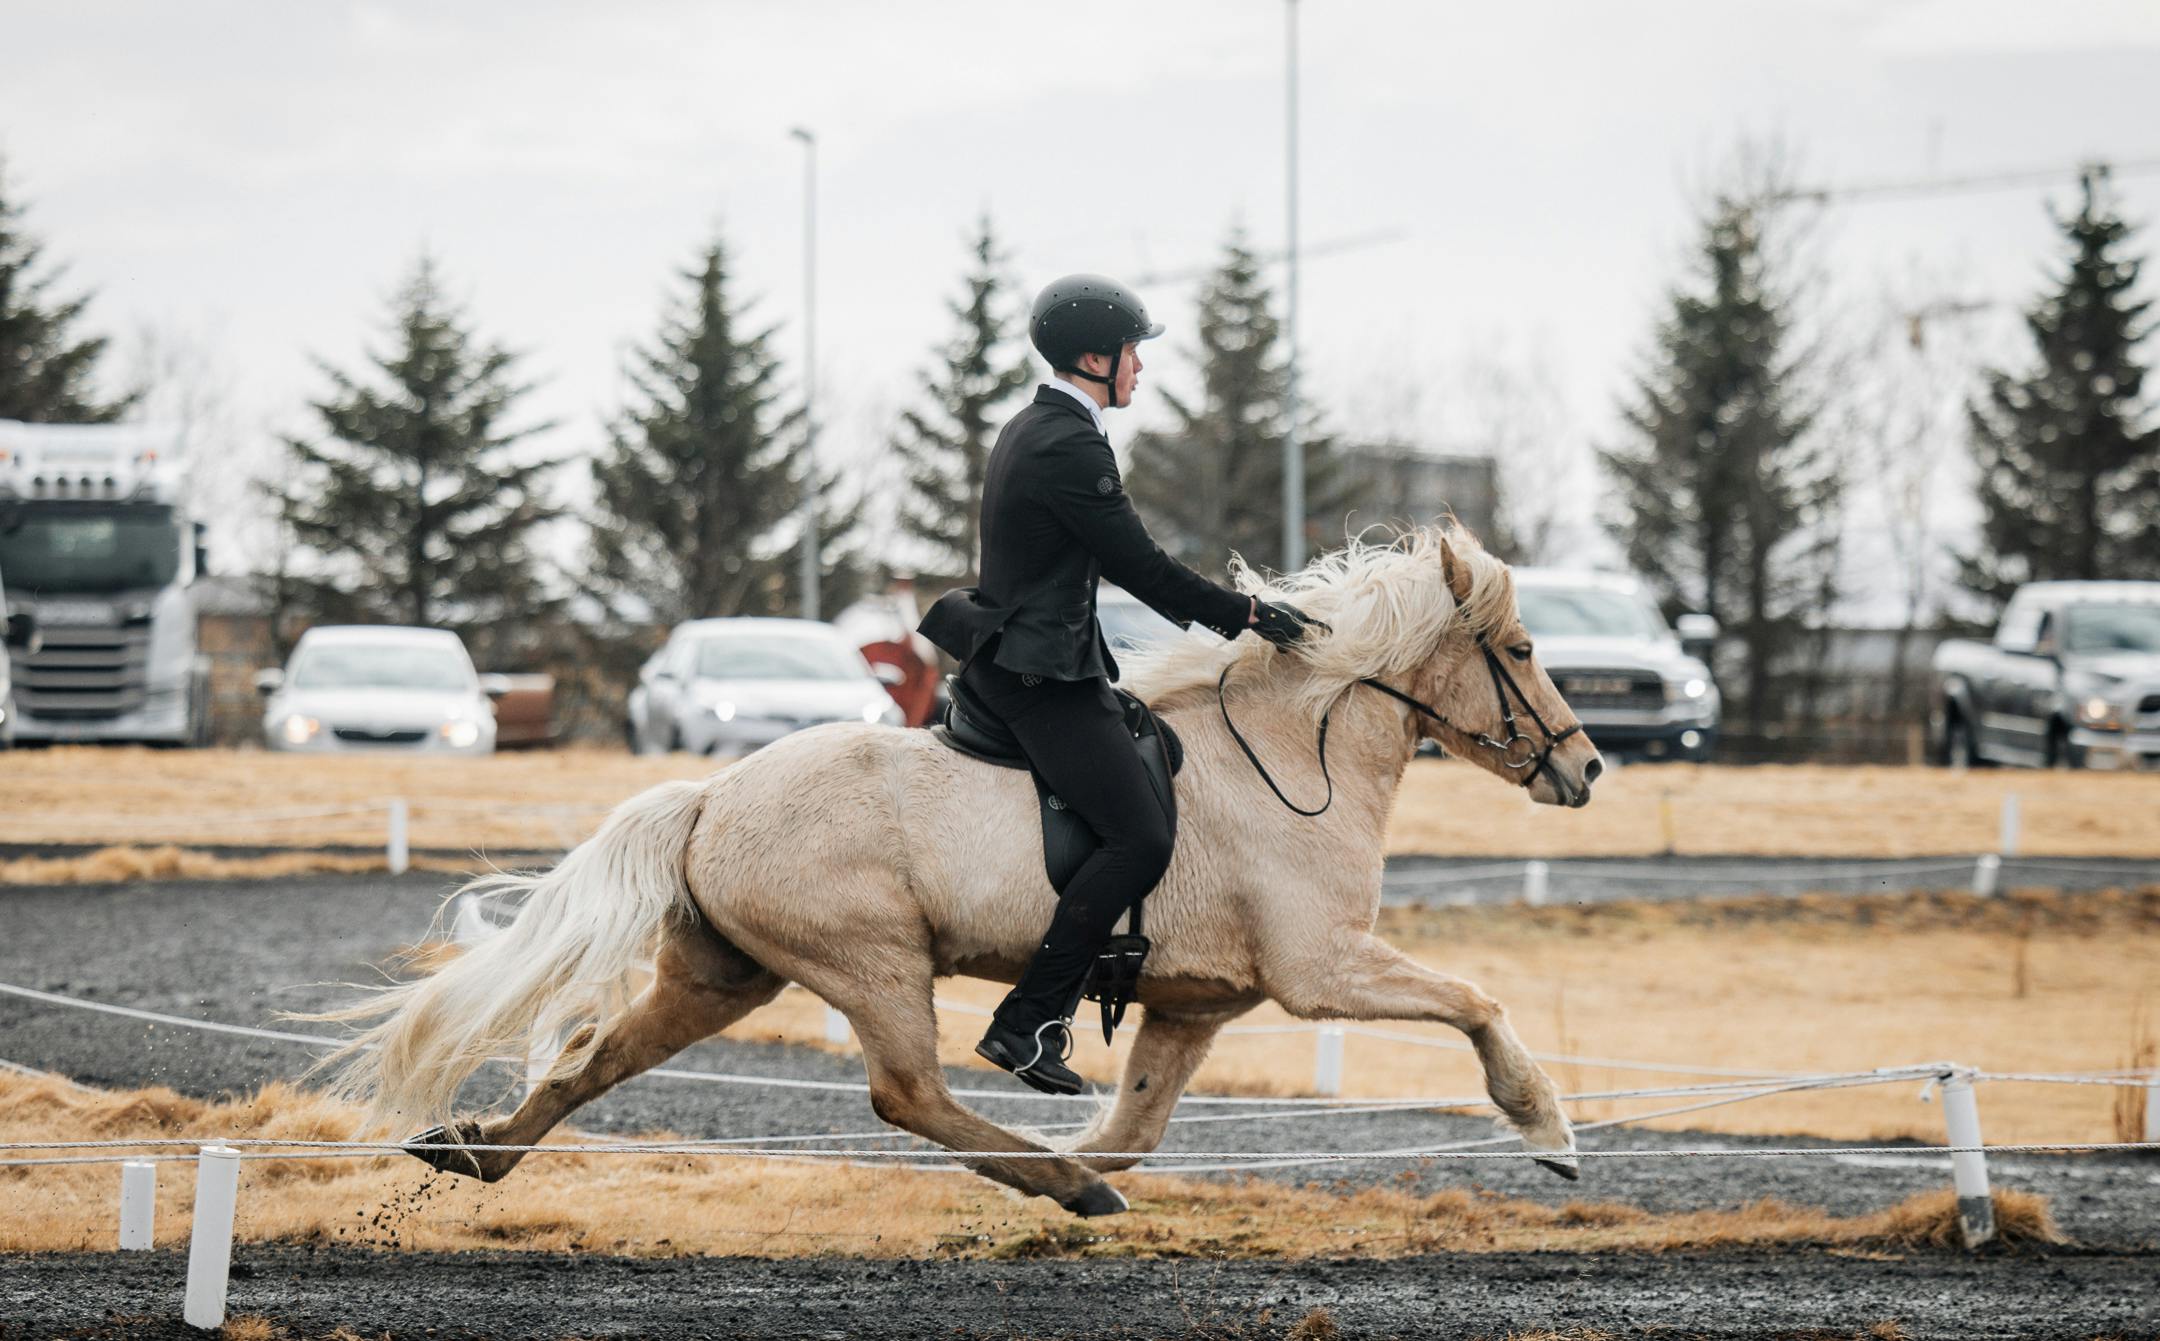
1456 572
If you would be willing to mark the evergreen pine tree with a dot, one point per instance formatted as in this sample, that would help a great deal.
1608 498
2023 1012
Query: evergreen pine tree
1726 496
408 498
945 448
697 491
1213 483
2067 463
46 370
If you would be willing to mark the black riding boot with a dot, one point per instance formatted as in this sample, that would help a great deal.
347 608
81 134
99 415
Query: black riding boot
1038 1058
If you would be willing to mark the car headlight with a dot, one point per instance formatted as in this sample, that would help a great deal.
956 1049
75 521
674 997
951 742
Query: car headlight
2097 712
460 733
299 730
874 713
1686 691
724 710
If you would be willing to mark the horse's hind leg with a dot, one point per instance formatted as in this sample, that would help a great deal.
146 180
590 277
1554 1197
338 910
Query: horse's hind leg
898 1030
701 985
1358 976
1167 1051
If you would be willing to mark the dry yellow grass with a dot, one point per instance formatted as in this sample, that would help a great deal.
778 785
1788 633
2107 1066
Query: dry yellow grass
145 797
1824 984
680 1206
115 865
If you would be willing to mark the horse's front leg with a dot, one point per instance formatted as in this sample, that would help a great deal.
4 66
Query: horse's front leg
1167 1051
1357 976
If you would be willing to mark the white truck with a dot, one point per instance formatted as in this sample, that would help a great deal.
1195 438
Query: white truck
97 551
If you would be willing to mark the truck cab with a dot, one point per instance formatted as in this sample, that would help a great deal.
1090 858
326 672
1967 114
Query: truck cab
97 552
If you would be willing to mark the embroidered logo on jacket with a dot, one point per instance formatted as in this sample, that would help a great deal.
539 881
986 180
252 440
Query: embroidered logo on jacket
1106 485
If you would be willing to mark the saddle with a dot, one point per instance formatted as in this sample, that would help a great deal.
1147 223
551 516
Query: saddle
974 730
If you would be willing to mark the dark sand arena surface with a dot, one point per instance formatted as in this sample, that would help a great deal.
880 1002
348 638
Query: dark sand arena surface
237 952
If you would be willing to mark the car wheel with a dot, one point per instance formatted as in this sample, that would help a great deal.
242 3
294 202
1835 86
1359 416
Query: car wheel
2060 752
1960 750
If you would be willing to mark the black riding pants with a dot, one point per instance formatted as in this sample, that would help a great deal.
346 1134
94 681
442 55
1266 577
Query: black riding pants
1074 734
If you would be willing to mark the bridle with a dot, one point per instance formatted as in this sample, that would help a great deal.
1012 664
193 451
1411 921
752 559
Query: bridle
1527 756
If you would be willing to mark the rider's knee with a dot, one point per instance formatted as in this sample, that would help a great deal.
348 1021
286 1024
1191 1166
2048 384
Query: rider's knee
1149 844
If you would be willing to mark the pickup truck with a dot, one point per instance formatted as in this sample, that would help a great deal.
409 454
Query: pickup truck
2071 680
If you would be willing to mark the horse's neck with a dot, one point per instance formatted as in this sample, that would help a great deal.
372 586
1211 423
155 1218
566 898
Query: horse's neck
1368 747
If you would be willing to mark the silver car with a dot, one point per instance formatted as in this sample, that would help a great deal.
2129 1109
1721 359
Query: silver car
379 687
730 686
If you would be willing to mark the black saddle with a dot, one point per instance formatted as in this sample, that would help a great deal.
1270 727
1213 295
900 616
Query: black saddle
973 729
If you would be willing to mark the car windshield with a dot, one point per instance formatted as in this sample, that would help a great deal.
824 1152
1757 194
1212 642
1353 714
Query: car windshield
1586 612
1128 624
56 547
2113 628
382 666
748 656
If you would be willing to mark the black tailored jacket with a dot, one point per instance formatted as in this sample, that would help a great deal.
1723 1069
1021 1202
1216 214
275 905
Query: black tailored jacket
1055 519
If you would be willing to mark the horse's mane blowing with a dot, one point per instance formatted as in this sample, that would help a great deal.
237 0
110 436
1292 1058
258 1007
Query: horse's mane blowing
1389 606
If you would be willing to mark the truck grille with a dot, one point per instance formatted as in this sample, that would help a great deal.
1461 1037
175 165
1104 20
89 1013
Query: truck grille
84 672
1630 690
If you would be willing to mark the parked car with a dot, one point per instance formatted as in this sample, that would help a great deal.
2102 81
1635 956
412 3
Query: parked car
2071 680
1640 690
730 686
379 687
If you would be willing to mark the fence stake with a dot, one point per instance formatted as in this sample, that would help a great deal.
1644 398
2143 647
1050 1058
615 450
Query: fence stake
1968 1172
217 1188
138 1205
836 1026
1986 872
1536 880
2009 841
1327 1060
400 854
468 925
2152 1108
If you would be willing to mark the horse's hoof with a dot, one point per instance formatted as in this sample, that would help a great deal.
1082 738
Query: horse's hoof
1566 1166
427 1146
1098 1199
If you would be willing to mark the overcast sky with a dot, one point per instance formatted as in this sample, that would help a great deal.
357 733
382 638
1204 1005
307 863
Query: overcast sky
253 180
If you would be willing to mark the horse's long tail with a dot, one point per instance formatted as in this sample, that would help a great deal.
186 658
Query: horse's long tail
571 955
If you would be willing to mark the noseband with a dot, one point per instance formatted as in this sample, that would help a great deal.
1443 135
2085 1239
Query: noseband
1516 751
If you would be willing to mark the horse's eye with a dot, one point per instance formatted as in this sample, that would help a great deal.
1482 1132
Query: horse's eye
1520 651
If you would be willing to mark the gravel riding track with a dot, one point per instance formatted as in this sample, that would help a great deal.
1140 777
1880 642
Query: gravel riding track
238 951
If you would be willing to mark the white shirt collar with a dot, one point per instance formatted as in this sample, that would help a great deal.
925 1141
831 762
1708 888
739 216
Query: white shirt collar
1094 410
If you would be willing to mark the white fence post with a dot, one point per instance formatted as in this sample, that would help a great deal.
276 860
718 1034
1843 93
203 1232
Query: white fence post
1536 881
1987 874
1327 1067
399 853
2008 841
836 1026
138 1205
217 1188
2152 1108
468 924
1968 1172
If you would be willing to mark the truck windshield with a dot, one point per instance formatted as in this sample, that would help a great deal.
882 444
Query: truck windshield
386 665
54 547
2113 628
1586 612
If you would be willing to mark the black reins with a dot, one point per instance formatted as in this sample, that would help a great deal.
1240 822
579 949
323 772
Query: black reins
1530 756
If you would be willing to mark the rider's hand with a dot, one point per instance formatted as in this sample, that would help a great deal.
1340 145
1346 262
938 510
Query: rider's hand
1282 624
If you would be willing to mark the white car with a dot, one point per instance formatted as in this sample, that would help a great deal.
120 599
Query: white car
729 686
1639 690
379 687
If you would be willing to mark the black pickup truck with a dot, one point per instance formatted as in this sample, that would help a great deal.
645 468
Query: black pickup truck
2072 680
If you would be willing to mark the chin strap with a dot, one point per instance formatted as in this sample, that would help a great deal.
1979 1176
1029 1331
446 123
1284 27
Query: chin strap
1117 357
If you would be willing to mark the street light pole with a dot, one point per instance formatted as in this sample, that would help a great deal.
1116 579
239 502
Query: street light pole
1293 466
810 426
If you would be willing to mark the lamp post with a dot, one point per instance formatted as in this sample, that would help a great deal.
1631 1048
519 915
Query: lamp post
810 427
1293 465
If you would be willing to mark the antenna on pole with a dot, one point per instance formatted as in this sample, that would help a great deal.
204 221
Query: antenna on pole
1293 473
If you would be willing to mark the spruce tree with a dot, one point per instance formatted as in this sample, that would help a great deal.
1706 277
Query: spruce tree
1212 484
945 448
697 491
2067 460
46 369
409 499
1726 495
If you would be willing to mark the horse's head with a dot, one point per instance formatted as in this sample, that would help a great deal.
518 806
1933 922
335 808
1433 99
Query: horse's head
1497 707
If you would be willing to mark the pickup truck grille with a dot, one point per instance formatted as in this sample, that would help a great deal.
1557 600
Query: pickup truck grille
84 672
1631 690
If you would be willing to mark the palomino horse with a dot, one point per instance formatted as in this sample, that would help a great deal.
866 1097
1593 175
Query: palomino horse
864 862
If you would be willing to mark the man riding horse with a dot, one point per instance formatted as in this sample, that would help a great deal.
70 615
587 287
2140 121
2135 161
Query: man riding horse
1056 519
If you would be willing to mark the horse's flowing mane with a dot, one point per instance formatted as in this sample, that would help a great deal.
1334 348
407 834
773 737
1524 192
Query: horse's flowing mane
1389 605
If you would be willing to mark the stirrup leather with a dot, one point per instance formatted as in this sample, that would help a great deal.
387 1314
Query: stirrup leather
1113 981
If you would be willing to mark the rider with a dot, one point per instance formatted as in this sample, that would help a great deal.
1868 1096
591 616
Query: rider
1055 517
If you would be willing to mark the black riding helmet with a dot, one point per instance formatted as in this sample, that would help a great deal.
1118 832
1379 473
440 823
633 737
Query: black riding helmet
1088 314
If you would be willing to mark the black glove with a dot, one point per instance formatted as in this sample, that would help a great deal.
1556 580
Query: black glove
1284 625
